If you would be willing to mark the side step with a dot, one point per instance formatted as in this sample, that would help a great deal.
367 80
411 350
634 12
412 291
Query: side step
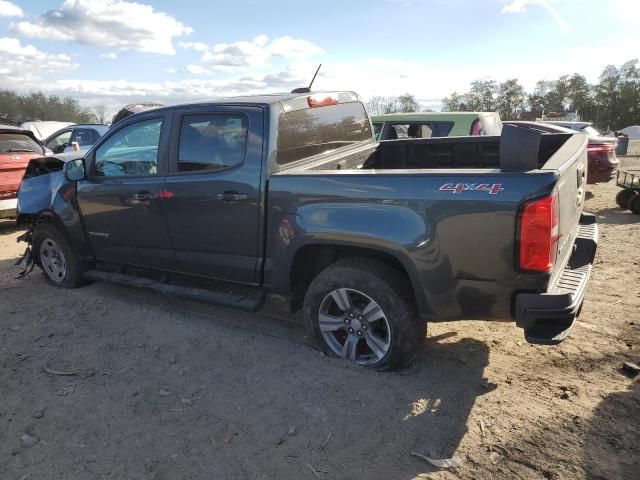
241 298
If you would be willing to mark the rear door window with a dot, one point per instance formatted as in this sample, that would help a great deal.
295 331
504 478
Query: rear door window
85 136
212 142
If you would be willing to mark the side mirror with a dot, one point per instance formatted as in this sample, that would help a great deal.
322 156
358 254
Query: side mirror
74 170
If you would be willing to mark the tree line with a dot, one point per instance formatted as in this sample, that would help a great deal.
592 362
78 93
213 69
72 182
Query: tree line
612 103
16 109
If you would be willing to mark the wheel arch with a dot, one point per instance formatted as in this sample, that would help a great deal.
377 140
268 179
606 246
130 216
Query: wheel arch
311 258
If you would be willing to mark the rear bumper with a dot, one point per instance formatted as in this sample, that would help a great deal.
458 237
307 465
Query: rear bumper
8 208
547 318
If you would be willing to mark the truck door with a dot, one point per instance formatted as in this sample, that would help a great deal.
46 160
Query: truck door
213 191
122 199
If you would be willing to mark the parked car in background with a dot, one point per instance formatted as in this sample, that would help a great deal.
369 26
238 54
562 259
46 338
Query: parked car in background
17 147
132 109
394 126
601 151
84 135
290 194
43 130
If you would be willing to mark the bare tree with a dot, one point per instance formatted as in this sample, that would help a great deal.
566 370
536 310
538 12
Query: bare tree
100 112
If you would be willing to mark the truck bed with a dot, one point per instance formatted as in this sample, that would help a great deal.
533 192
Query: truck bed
490 152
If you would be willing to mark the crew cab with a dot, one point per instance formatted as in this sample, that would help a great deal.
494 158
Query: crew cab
289 194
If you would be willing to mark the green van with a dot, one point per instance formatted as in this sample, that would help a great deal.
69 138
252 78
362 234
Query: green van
393 126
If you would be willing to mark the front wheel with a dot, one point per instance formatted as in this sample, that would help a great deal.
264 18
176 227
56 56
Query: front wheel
55 257
359 310
634 204
623 197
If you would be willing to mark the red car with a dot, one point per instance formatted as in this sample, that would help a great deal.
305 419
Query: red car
17 147
601 151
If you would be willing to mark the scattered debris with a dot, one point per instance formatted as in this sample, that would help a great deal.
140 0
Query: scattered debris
482 428
228 438
175 410
164 392
248 433
38 414
186 401
313 470
495 457
51 371
565 396
631 368
323 355
292 431
65 391
28 441
326 441
440 462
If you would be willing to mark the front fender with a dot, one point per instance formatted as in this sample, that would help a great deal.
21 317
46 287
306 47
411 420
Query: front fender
53 197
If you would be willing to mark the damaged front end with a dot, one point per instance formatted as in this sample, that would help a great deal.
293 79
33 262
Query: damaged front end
27 261
45 195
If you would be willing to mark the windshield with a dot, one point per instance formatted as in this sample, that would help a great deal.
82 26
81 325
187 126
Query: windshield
18 142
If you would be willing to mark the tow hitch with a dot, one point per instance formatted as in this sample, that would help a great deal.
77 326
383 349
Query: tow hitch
26 262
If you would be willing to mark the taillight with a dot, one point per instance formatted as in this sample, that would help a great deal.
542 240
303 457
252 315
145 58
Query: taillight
539 233
601 148
322 100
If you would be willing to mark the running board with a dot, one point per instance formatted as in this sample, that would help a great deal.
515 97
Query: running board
247 299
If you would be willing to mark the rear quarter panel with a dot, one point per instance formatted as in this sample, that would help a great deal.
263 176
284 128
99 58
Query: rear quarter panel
457 248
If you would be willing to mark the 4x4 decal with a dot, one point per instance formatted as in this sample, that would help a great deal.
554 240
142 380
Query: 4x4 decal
491 189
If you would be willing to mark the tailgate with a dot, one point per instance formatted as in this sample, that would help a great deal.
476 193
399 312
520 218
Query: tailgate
570 161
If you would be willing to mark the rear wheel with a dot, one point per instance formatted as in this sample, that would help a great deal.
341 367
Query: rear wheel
634 204
358 309
55 257
623 197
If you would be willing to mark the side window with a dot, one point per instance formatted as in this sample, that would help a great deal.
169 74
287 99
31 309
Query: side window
85 136
59 140
130 151
210 142
377 128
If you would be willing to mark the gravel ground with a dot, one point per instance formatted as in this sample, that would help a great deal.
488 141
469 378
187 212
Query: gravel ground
161 388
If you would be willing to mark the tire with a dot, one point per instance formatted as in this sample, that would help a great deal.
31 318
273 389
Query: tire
623 197
60 266
634 204
384 338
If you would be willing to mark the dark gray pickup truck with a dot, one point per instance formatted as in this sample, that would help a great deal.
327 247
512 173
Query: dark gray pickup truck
289 194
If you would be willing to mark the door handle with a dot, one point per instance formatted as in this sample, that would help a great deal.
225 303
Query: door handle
232 196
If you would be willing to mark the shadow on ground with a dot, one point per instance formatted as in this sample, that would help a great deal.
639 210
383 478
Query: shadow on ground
612 442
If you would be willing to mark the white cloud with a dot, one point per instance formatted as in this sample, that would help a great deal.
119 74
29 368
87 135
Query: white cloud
520 6
251 54
109 56
8 9
21 65
109 23
197 70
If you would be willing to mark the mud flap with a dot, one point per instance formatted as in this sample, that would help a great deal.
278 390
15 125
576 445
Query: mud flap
26 262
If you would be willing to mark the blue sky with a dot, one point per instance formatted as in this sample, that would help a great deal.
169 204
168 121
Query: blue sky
112 52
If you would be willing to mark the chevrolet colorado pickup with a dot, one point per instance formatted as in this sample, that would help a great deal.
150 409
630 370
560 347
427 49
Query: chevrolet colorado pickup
290 194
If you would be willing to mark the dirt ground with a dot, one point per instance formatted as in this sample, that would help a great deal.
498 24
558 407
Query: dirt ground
169 389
